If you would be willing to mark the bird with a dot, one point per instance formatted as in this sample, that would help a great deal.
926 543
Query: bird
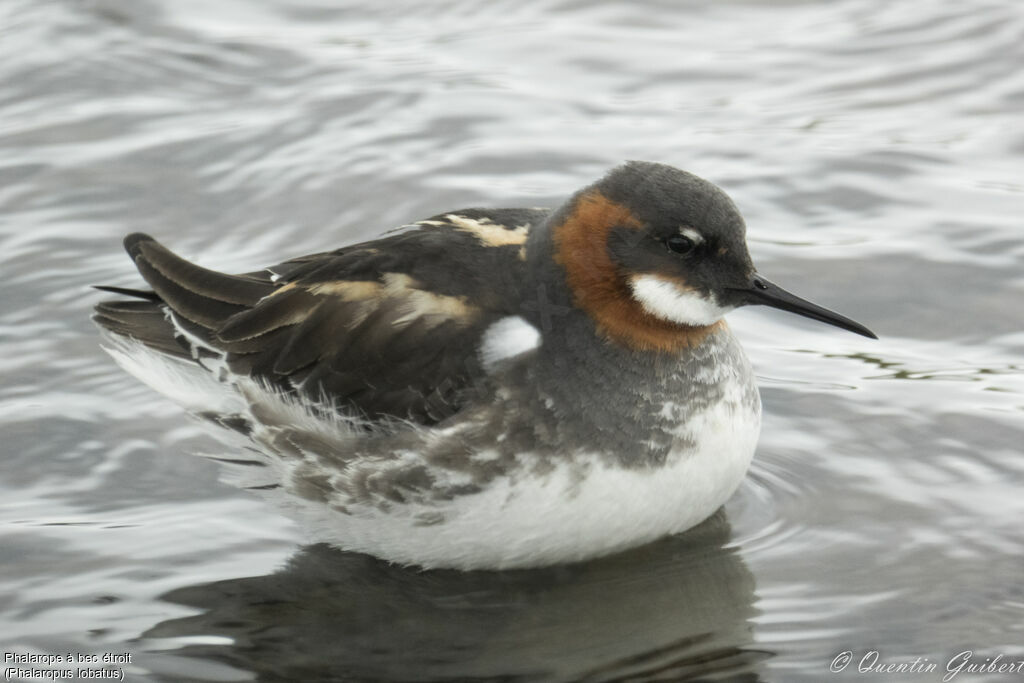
483 389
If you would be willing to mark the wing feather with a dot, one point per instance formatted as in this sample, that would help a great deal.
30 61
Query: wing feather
389 328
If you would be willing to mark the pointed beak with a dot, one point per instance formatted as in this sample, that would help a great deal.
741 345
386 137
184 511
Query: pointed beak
763 292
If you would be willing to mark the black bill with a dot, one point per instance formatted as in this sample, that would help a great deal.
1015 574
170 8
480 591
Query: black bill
763 292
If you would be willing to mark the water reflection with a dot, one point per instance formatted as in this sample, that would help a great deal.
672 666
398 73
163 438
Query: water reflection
678 609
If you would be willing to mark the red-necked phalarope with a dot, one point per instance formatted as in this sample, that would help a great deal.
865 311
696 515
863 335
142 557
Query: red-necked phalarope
487 388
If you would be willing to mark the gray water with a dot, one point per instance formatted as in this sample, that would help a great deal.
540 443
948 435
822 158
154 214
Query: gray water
875 149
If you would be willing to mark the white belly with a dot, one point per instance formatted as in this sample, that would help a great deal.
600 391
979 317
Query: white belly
563 517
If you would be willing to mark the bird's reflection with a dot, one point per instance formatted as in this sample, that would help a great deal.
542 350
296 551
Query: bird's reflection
678 609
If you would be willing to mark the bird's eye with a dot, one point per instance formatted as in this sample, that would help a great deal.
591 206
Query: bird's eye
680 244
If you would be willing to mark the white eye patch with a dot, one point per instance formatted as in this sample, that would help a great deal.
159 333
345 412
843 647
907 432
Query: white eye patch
669 301
692 234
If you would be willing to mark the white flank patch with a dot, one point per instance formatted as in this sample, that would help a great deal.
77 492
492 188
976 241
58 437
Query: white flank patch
195 388
185 382
270 414
507 338
669 301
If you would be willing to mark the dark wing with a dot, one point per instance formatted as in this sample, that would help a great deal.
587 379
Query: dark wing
388 328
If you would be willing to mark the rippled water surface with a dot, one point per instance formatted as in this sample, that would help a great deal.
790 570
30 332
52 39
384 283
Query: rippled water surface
875 149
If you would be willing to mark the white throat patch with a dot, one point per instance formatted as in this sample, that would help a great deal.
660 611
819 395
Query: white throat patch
668 301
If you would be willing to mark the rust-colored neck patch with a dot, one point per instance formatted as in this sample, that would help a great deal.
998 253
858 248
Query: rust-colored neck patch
600 289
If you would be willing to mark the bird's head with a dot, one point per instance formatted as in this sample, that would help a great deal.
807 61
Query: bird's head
657 256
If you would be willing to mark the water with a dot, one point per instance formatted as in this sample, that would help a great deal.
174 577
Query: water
874 148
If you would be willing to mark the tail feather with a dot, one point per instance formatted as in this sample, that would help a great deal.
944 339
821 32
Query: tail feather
145 321
125 291
239 290
186 299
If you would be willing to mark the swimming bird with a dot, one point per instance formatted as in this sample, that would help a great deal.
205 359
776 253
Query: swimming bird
486 388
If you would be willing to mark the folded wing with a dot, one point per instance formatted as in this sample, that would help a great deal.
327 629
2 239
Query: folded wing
389 328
